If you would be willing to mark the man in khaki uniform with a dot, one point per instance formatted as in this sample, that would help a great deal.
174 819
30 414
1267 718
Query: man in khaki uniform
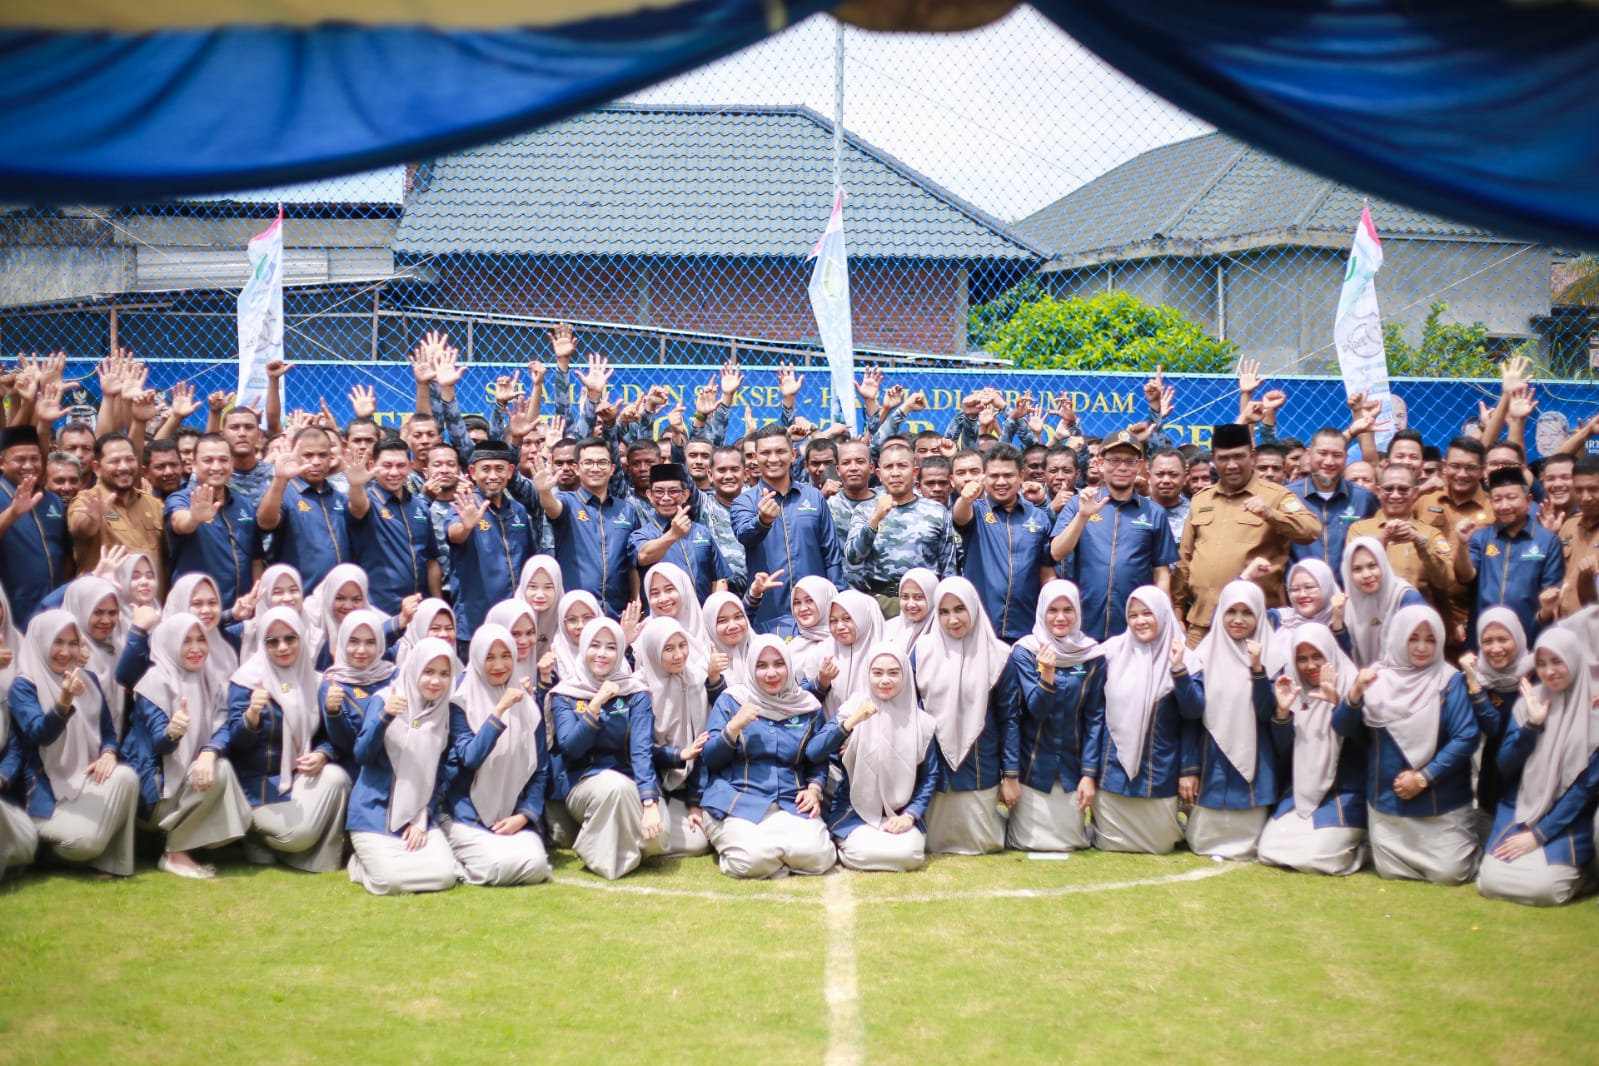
1230 523
115 510
1579 535
1462 497
1417 551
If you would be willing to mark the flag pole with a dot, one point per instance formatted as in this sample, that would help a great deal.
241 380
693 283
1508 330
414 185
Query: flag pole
838 108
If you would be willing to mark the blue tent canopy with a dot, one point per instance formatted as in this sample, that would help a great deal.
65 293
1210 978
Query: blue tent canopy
1484 110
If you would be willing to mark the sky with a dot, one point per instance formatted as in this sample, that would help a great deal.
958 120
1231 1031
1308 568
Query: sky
1011 117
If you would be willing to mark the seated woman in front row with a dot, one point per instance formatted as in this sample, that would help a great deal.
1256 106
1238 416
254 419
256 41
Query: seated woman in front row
281 754
398 844
82 800
177 740
763 793
890 769
1319 826
1418 772
605 726
1542 840
1133 753
494 782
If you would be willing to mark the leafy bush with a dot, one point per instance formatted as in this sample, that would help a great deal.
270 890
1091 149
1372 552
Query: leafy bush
1111 331
1447 349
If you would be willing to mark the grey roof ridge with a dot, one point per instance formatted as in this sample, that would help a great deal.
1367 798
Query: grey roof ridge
1313 204
1221 172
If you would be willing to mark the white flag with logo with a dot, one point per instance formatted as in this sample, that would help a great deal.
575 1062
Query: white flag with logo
829 291
1357 330
261 313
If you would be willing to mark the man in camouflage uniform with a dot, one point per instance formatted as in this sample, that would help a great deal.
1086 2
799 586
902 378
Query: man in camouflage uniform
899 532
857 495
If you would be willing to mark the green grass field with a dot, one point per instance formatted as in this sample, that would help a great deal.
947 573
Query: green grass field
1103 957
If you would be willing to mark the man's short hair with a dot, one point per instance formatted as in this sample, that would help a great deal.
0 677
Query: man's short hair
442 446
1329 433
161 444
364 420
391 444
767 432
105 440
1557 459
213 438
306 431
1002 453
1469 445
936 462
1199 458
1168 453
926 435
75 426
728 449
1399 468
643 444
894 444
588 443
1402 436
1588 466
1275 448
63 459
1521 452
185 432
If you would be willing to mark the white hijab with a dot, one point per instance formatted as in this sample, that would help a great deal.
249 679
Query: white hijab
67 759
1284 640
1570 733
123 580
319 606
547 621
292 688
565 647
884 754
689 615
1508 679
900 629
809 639
956 677
415 741
1407 700
375 673
678 699
1137 678
506 613
790 700
498 783
585 684
738 655
168 683
853 660
12 640
1075 647
1316 743
83 595
1229 698
223 660
416 630
1366 617
250 632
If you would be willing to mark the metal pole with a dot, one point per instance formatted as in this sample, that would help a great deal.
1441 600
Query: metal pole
838 108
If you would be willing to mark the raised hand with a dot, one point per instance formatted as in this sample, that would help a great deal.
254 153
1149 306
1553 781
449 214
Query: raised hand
1513 373
335 698
204 503
828 672
145 617
706 397
893 396
363 401
870 385
916 401
259 698
178 724
746 713
788 384
1256 568
716 666
1154 389
510 698
1468 666
112 556
632 621
408 608
769 507
357 467
1249 378
596 379
1464 529
394 704
607 692
25 499
1254 649
1363 681
730 380
543 474
469 509
1522 403
1177 655
1274 400
219 401
1328 689
1287 692
507 388
763 581
447 371
861 713
1047 659
564 344
972 489
520 419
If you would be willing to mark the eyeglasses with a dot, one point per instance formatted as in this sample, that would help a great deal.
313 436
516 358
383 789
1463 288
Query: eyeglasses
1119 460
1462 468
664 490
1394 490
594 464
282 642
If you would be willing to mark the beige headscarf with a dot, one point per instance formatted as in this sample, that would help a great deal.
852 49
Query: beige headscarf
1570 733
506 613
415 741
67 759
852 660
884 753
168 683
678 699
584 684
498 783
374 673
1316 743
1407 700
1137 678
292 688
956 677
223 660
738 655
547 622
1229 692
565 647
83 595
1366 617
689 615
900 629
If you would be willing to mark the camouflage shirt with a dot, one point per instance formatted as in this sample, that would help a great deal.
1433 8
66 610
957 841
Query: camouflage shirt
918 533
844 511
714 515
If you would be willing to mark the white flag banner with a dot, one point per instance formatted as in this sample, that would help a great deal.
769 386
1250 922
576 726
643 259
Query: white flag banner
829 291
1357 331
261 313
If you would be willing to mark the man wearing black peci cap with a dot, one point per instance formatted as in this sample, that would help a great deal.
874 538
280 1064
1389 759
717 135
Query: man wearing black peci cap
666 531
1239 519
35 550
1514 563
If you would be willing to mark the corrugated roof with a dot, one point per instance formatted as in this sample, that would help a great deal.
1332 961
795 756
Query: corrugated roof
1212 188
689 181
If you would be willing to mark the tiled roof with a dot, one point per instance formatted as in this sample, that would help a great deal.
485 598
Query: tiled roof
689 181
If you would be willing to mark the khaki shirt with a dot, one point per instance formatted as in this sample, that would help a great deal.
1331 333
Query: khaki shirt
137 528
1579 543
1437 509
1221 537
1430 570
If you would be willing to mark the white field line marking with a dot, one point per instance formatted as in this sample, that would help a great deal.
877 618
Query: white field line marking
1061 890
687 893
846 1035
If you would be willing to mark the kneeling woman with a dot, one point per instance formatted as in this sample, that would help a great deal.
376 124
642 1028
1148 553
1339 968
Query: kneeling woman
1542 838
494 780
1135 766
682 685
763 797
890 769
82 800
605 726
401 751
1238 763
282 757
958 666
1423 732
176 741
1057 687
1319 827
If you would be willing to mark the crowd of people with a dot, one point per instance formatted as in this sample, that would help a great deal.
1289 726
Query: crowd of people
431 655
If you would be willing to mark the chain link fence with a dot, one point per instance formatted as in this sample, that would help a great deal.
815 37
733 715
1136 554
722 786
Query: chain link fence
1011 202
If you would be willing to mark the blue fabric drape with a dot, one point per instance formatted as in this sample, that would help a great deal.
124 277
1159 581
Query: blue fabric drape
114 118
1486 111
1483 110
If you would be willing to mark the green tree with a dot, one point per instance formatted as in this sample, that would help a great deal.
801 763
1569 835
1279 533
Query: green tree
1111 331
1447 349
